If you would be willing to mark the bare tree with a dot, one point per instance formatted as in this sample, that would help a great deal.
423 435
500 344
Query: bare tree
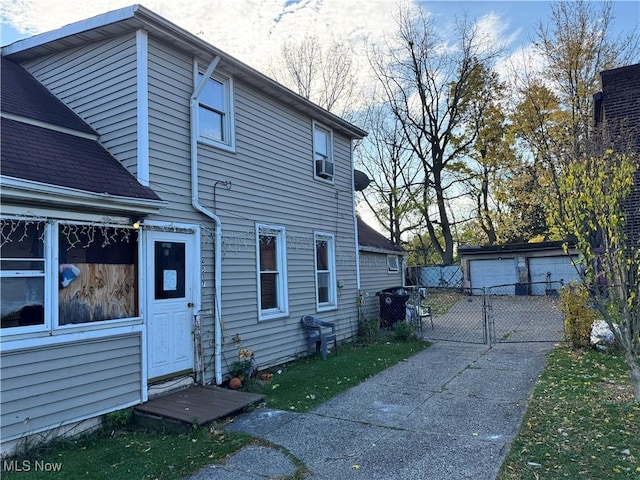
324 74
386 159
436 93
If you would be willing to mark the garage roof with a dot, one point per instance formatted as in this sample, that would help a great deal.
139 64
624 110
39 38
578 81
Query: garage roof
512 247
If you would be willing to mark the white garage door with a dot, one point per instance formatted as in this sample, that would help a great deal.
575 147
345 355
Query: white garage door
494 272
557 269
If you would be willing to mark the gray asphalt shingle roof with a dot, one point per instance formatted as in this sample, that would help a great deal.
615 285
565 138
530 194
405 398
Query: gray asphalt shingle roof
38 154
369 237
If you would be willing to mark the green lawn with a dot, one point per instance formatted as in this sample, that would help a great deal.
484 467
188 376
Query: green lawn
581 422
308 382
126 453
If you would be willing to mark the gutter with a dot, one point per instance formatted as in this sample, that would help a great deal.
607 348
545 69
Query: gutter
195 202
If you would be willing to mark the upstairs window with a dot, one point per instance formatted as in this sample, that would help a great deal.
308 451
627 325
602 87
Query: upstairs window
323 152
272 272
215 112
325 263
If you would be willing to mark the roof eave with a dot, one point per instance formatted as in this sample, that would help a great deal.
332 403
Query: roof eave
136 17
370 249
16 190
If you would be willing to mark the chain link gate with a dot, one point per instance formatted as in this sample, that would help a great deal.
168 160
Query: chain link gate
494 315
457 315
524 317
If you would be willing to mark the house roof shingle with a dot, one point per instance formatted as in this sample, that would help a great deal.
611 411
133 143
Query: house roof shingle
56 157
23 95
371 238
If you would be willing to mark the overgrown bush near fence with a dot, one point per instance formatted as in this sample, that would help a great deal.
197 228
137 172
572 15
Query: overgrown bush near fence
575 304
368 330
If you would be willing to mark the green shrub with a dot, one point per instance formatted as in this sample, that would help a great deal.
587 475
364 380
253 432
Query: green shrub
368 330
118 419
403 332
575 304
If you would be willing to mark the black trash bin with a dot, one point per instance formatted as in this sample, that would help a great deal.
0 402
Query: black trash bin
392 305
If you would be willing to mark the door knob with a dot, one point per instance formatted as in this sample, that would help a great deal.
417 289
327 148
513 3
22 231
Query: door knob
189 304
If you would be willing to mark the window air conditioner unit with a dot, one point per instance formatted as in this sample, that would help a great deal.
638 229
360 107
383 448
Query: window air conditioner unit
324 168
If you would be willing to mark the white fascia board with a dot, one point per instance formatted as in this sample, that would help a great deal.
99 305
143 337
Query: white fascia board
26 190
367 249
70 30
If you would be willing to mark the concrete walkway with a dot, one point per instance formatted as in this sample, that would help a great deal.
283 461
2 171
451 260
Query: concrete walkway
450 412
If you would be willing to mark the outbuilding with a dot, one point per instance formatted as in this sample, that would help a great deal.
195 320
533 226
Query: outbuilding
519 268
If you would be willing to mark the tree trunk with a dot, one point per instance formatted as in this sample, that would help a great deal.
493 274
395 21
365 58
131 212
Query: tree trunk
634 374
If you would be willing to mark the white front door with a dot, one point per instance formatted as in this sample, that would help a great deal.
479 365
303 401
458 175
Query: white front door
170 290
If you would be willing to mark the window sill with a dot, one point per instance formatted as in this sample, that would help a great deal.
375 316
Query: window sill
326 308
42 339
219 145
274 316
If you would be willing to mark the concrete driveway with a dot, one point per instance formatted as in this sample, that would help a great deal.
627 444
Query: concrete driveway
450 412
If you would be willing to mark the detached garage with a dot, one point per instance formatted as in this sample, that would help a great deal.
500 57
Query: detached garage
518 269
492 272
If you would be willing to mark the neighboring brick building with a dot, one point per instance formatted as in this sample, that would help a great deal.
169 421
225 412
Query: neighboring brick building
617 107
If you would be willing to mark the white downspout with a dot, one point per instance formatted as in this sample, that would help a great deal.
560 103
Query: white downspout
195 201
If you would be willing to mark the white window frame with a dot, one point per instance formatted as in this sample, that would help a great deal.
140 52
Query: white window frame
228 141
282 299
393 263
332 285
51 298
46 275
321 152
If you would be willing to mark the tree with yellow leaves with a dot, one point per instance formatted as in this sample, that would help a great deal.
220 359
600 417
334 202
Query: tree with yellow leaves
594 209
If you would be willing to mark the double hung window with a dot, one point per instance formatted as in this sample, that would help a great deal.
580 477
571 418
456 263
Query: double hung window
215 112
323 153
393 263
23 274
272 272
326 286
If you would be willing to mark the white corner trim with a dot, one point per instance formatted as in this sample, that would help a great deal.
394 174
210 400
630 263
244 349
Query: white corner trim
142 106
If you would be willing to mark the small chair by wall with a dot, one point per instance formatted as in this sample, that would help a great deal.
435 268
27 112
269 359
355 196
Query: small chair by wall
320 334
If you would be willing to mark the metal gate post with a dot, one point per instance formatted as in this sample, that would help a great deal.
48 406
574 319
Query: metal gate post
489 327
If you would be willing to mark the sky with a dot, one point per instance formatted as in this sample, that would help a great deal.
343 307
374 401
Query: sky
254 30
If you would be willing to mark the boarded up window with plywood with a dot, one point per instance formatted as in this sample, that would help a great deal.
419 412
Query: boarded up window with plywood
97 273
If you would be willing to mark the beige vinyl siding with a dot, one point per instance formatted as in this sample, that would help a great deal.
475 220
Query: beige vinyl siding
271 175
46 387
375 276
272 178
98 82
170 88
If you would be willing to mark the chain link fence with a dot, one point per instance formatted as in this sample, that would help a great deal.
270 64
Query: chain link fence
495 315
532 315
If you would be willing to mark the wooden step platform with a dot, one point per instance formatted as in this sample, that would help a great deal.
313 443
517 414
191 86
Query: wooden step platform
198 404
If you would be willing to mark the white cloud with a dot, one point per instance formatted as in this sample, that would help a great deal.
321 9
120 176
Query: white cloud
494 29
251 30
